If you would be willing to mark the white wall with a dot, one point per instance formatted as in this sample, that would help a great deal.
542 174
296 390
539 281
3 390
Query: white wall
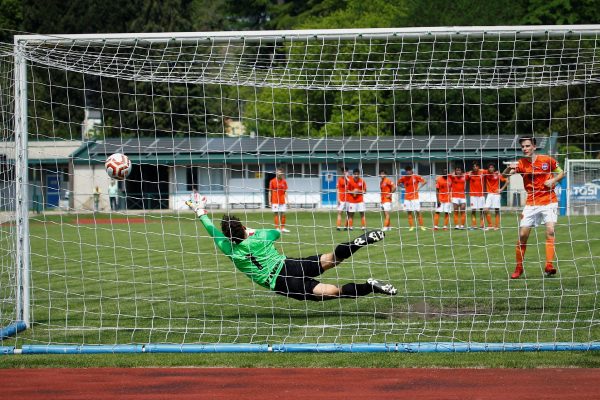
85 179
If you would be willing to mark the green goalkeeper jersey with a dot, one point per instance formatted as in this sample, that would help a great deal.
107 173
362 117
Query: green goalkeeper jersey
256 256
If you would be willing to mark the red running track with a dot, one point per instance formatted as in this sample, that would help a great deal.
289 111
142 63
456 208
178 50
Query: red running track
305 383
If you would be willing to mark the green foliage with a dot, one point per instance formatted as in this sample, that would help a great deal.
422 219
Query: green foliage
141 108
11 17
358 14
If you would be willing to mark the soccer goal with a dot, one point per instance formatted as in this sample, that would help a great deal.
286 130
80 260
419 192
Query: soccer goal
90 265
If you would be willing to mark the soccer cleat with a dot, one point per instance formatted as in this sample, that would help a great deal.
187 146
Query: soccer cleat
518 272
285 230
374 236
412 228
445 228
387 288
423 228
550 270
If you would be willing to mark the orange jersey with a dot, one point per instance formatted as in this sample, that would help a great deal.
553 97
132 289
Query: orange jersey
475 183
342 188
411 185
534 175
359 186
442 184
457 186
278 187
492 181
387 188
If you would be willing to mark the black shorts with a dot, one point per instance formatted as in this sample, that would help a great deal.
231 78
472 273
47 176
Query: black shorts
296 279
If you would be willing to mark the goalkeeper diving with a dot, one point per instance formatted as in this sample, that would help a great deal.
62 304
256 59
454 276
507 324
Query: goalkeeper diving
253 253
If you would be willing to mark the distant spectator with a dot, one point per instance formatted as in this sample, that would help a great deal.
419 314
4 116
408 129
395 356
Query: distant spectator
113 195
96 196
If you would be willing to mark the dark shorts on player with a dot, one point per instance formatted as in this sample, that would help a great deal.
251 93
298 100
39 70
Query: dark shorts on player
296 279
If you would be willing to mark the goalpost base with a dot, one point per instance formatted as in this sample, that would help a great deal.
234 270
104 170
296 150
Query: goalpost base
426 347
12 329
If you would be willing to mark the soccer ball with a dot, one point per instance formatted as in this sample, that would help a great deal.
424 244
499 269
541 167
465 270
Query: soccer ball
118 166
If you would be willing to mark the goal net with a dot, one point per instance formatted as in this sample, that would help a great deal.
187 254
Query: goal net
89 262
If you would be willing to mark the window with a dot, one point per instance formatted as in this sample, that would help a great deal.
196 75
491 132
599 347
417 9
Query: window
238 171
369 170
388 167
191 179
423 169
311 170
210 178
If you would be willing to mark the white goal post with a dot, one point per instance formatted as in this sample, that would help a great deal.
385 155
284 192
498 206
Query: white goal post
90 270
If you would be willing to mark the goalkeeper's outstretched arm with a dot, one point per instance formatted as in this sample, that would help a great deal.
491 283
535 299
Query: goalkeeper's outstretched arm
220 239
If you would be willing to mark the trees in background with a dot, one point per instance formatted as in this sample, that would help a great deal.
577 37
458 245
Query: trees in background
141 108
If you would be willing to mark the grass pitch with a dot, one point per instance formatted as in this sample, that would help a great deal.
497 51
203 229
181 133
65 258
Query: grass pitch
163 281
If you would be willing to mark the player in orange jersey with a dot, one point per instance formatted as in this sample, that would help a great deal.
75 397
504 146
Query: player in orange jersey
357 188
342 203
387 188
412 183
476 198
278 199
492 179
458 182
444 205
540 175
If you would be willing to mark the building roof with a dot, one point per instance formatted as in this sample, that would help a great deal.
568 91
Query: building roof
206 149
44 151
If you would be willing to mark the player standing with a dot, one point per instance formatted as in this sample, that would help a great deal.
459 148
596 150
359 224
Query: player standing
387 188
442 194
412 183
278 198
342 204
540 175
476 198
458 182
357 187
492 180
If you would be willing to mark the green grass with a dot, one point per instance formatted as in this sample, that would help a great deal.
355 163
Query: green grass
164 281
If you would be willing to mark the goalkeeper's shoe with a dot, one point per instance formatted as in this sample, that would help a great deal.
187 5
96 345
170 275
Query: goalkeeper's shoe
368 238
378 287
550 270
197 208
374 236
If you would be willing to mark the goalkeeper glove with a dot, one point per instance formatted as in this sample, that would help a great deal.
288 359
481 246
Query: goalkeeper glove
199 207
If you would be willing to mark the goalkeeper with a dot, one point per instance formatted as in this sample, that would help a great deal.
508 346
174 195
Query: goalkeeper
253 253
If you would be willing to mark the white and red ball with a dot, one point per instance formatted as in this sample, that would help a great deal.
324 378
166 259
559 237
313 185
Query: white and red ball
118 166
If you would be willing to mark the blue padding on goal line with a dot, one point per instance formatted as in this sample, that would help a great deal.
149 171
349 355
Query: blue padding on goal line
12 329
449 347
206 348
425 347
334 348
82 349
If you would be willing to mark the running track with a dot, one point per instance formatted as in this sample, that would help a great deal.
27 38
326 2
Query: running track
305 383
